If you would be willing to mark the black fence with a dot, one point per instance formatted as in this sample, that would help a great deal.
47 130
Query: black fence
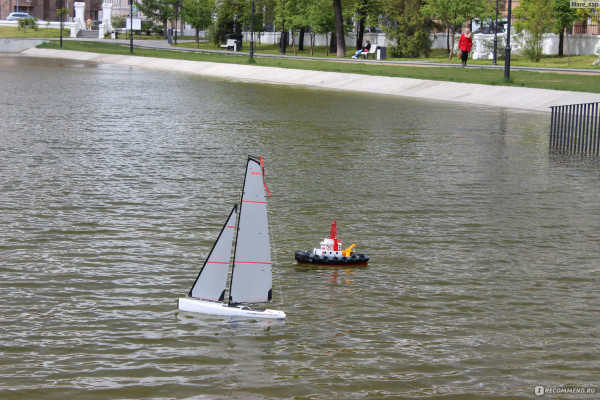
575 128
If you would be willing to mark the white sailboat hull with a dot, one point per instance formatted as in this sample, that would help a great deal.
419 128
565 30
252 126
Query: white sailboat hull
209 307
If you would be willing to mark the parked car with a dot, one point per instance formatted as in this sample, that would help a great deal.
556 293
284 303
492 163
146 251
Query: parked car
15 16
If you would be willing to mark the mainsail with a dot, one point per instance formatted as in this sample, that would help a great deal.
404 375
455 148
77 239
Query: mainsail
251 276
212 279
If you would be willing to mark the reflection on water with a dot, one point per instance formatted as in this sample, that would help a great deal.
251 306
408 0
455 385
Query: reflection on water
115 182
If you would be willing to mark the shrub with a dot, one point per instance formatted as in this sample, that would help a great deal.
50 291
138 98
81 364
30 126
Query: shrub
25 23
147 27
532 47
488 45
118 21
158 29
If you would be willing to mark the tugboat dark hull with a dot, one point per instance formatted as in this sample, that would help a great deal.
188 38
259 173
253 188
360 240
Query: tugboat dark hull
307 257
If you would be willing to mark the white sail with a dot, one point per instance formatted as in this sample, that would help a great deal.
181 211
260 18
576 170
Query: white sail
251 276
212 279
251 271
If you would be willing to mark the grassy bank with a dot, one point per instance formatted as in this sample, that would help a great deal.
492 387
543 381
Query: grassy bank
439 56
41 33
556 81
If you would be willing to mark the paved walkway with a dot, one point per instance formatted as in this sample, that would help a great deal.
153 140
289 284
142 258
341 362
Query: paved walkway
498 96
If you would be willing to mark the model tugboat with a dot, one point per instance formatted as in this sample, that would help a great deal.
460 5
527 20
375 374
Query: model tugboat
331 253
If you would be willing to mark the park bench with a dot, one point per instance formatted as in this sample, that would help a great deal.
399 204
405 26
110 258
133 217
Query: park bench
372 51
229 45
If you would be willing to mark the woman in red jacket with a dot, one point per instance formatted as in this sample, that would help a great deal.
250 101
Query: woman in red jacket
464 44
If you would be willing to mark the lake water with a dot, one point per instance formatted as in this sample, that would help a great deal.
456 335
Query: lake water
485 262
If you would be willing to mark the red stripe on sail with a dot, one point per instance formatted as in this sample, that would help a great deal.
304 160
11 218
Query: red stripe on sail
257 202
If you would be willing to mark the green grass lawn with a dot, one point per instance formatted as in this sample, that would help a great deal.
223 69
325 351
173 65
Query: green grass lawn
40 33
328 62
436 56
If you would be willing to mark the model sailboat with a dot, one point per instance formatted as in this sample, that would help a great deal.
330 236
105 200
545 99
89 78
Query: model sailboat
250 279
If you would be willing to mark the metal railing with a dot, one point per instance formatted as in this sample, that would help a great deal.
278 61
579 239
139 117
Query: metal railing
583 27
576 128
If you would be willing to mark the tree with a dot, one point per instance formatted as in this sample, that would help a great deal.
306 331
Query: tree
158 11
340 32
260 7
365 14
454 13
563 16
198 13
534 19
61 12
360 9
408 28
281 19
321 20
229 19
294 13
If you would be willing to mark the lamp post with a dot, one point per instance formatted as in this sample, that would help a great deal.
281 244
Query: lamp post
252 32
61 20
495 35
131 26
507 57
176 16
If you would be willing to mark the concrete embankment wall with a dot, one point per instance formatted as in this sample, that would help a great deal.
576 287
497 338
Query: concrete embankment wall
497 96
19 45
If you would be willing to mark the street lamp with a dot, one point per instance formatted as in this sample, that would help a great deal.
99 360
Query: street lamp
507 57
252 32
495 35
61 20
176 16
131 26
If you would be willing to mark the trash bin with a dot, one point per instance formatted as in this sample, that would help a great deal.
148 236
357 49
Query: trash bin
170 35
237 46
381 53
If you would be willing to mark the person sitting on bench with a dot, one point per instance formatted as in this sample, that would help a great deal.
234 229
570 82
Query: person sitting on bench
366 48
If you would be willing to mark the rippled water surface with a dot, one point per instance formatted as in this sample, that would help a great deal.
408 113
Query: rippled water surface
114 182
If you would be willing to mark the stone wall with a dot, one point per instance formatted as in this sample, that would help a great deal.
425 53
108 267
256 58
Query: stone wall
19 45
